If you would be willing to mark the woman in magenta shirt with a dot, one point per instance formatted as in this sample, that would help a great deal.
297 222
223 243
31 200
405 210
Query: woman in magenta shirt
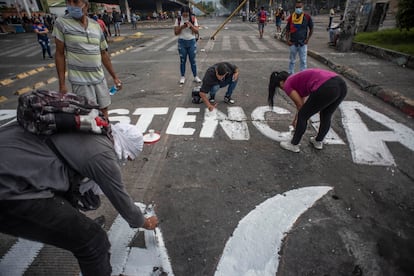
324 91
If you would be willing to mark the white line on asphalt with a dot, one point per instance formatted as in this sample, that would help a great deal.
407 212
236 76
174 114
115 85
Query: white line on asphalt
264 228
19 257
163 44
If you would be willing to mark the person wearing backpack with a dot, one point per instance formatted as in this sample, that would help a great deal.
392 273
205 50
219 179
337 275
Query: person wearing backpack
186 28
262 16
34 202
82 49
299 31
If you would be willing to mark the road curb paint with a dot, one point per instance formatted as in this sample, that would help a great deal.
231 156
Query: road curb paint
23 90
2 99
6 82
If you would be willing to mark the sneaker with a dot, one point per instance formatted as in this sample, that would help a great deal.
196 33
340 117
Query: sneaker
197 79
182 80
287 145
316 144
229 100
212 100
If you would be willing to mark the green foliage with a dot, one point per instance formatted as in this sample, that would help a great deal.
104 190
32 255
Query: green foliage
392 39
405 14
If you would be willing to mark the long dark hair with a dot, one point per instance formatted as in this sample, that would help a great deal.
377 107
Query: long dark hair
274 82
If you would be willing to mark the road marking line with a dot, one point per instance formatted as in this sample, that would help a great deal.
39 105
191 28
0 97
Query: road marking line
3 99
23 90
19 257
21 76
266 226
6 82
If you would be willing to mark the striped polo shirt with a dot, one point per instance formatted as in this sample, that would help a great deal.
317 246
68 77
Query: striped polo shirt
82 49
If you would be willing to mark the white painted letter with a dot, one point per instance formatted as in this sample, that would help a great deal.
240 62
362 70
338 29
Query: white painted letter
6 114
368 147
260 122
179 118
234 125
121 119
147 114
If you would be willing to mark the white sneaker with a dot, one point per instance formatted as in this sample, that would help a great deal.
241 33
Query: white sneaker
197 79
182 80
316 144
287 145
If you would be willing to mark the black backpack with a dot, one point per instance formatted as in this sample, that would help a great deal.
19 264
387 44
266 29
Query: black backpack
195 94
45 112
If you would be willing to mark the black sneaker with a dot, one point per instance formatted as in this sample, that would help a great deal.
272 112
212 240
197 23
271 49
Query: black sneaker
229 100
212 100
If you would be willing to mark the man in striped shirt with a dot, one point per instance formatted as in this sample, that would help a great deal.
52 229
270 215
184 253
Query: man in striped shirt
82 48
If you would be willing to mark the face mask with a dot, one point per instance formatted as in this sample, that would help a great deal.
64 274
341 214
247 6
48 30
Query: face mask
75 12
298 10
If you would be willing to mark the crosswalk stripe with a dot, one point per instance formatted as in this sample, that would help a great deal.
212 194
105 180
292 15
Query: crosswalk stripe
149 44
259 44
247 43
13 50
243 44
226 45
162 45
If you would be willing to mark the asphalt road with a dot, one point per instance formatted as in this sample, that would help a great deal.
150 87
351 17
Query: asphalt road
210 171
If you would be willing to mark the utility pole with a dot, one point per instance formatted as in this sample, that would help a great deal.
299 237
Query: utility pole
350 25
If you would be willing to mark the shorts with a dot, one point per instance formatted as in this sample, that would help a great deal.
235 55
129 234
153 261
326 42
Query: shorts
95 92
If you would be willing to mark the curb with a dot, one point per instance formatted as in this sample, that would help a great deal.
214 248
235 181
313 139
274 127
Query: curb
401 59
394 98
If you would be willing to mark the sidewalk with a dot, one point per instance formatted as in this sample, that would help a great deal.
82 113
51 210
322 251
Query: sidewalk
387 80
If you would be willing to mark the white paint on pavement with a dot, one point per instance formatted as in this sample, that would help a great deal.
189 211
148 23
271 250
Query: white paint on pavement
132 260
234 124
19 257
369 147
253 247
179 118
331 137
124 258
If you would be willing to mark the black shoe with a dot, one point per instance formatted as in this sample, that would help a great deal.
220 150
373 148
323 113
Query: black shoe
212 100
229 100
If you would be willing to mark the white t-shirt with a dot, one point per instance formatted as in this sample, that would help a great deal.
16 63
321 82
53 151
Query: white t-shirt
187 33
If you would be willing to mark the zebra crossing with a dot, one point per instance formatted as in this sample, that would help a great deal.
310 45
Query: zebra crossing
249 43
27 48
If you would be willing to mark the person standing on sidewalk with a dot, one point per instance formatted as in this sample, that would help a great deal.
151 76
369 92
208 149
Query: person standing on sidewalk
217 76
262 16
107 19
313 91
186 28
299 31
42 37
82 48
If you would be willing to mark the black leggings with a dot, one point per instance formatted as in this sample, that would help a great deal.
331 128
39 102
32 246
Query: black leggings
325 100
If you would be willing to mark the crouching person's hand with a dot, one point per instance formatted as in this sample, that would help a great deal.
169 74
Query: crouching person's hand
150 223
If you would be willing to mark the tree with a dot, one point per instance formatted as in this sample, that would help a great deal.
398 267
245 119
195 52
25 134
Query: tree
351 16
405 14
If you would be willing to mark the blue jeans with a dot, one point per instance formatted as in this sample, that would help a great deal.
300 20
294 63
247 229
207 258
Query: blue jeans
232 85
54 221
294 50
187 48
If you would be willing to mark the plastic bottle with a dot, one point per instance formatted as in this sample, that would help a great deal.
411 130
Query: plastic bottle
113 90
